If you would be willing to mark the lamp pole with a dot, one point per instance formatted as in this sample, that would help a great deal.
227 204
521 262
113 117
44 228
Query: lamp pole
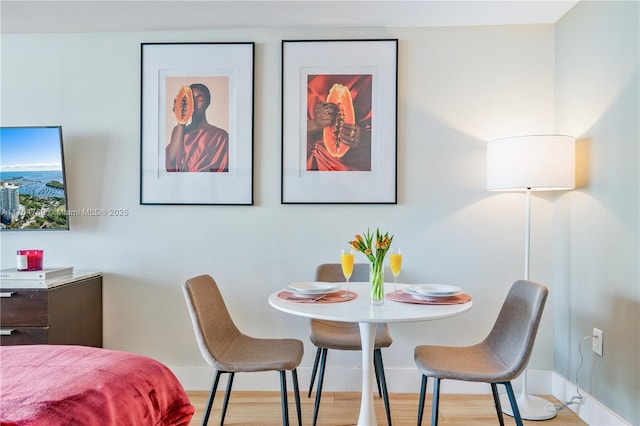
531 407
527 235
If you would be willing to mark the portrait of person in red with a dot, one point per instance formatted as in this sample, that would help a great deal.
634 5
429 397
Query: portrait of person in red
198 146
339 122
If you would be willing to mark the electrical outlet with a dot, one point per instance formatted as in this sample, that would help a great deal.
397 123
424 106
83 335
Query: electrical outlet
596 343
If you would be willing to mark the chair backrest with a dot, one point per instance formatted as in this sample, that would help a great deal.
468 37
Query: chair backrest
514 332
212 323
332 272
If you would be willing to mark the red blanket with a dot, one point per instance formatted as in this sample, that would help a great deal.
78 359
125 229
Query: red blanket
76 385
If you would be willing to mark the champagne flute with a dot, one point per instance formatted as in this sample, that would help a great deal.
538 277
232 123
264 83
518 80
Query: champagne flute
395 262
346 260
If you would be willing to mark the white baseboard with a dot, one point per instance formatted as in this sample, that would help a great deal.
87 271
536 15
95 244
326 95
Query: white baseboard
591 411
399 380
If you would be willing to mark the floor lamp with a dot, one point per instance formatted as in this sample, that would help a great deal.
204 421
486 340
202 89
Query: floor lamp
530 163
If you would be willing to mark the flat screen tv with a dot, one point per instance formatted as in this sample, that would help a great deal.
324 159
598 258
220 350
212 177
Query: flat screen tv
33 194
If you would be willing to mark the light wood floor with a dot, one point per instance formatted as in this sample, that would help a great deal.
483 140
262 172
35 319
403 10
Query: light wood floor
341 408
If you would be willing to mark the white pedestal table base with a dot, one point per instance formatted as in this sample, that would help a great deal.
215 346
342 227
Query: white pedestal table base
367 409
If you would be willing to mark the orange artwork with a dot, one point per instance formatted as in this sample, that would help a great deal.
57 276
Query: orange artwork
339 113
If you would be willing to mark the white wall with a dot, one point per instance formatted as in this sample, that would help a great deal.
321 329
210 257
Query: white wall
598 257
458 88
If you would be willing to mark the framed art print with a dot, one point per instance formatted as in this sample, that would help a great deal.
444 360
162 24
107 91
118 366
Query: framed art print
196 123
339 121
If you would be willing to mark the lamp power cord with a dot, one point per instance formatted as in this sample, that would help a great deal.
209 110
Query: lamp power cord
577 399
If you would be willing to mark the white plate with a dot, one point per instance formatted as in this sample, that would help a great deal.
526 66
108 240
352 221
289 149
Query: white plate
313 287
433 290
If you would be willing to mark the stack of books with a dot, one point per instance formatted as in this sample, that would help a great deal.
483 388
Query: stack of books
33 279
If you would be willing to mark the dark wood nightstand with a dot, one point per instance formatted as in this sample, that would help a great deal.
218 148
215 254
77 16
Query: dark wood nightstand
64 311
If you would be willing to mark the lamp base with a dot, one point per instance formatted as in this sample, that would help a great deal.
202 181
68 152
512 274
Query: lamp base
531 407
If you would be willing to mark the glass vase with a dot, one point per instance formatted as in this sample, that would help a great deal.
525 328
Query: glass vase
376 285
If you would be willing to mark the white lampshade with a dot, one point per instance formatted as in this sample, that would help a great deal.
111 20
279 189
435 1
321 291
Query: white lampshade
540 162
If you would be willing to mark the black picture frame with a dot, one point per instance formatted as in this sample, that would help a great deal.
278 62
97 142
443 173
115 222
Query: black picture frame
213 161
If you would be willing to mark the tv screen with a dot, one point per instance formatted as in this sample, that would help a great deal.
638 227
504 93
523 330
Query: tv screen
33 194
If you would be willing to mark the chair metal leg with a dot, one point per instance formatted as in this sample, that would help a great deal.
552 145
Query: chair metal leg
227 394
436 401
377 355
423 391
514 404
212 395
314 371
496 400
316 406
376 369
296 395
283 397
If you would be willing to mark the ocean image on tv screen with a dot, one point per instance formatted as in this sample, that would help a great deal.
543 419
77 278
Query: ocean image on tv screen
32 184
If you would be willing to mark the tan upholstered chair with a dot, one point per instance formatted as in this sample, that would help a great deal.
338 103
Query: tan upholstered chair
225 348
345 336
498 359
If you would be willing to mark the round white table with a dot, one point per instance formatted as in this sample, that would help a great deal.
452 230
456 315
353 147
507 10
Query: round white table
367 316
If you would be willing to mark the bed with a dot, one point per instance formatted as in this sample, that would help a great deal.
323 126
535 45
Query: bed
77 385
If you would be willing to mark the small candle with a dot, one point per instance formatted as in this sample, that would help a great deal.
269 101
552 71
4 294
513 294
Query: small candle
29 260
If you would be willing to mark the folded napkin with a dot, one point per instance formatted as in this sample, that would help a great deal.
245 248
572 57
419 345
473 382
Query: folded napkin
334 297
401 296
